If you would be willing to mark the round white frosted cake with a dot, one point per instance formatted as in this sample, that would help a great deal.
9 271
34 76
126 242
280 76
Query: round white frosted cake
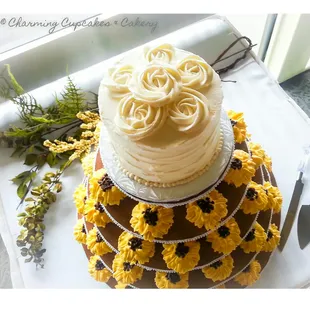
162 107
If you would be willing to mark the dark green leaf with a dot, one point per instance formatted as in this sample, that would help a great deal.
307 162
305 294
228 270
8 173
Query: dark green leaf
20 177
30 177
21 190
17 151
51 159
39 148
41 160
30 159
30 149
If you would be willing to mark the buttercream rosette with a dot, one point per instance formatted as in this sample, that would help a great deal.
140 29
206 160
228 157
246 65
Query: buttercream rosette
257 153
79 232
165 280
254 240
255 199
181 257
163 53
189 112
274 196
226 238
124 270
138 250
95 213
103 190
242 169
95 243
268 162
195 72
238 124
219 270
138 119
79 197
151 221
249 275
208 211
272 240
156 84
97 269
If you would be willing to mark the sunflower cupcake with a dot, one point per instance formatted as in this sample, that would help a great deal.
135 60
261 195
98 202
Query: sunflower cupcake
97 269
151 221
274 196
249 275
88 163
95 213
80 232
220 270
254 240
272 240
207 211
103 190
257 153
181 257
238 125
171 280
95 243
79 197
124 270
255 199
226 238
138 250
242 169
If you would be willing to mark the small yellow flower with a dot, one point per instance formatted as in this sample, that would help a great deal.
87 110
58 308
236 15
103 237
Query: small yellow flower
95 243
151 221
97 269
238 124
171 280
124 270
88 163
268 163
249 275
272 240
274 196
138 250
80 232
242 169
226 238
207 211
95 213
257 153
79 198
255 239
220 270
103 190
255 199
181 257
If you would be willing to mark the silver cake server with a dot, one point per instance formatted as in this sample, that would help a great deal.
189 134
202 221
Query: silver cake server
303 226
294 203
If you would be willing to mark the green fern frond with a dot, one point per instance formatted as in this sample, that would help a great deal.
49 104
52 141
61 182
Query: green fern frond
17 88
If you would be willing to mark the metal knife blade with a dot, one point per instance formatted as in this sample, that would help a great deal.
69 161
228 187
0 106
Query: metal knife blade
303 226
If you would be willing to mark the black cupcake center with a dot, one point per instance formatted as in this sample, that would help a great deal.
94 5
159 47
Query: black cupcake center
269 235
181 250
151 217
236 164
127 266
250 236
206 205
251 194
135 243
98 238
85 198
99 265
233 123
173 277
217 264
223 231
99 207
105 183
83 229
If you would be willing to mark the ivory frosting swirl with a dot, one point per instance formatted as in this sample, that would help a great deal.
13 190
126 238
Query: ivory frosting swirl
162 53
189 112
156 84
138 119
195 72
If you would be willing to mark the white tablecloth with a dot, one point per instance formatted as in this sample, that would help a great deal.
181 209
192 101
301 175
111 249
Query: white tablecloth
273 118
